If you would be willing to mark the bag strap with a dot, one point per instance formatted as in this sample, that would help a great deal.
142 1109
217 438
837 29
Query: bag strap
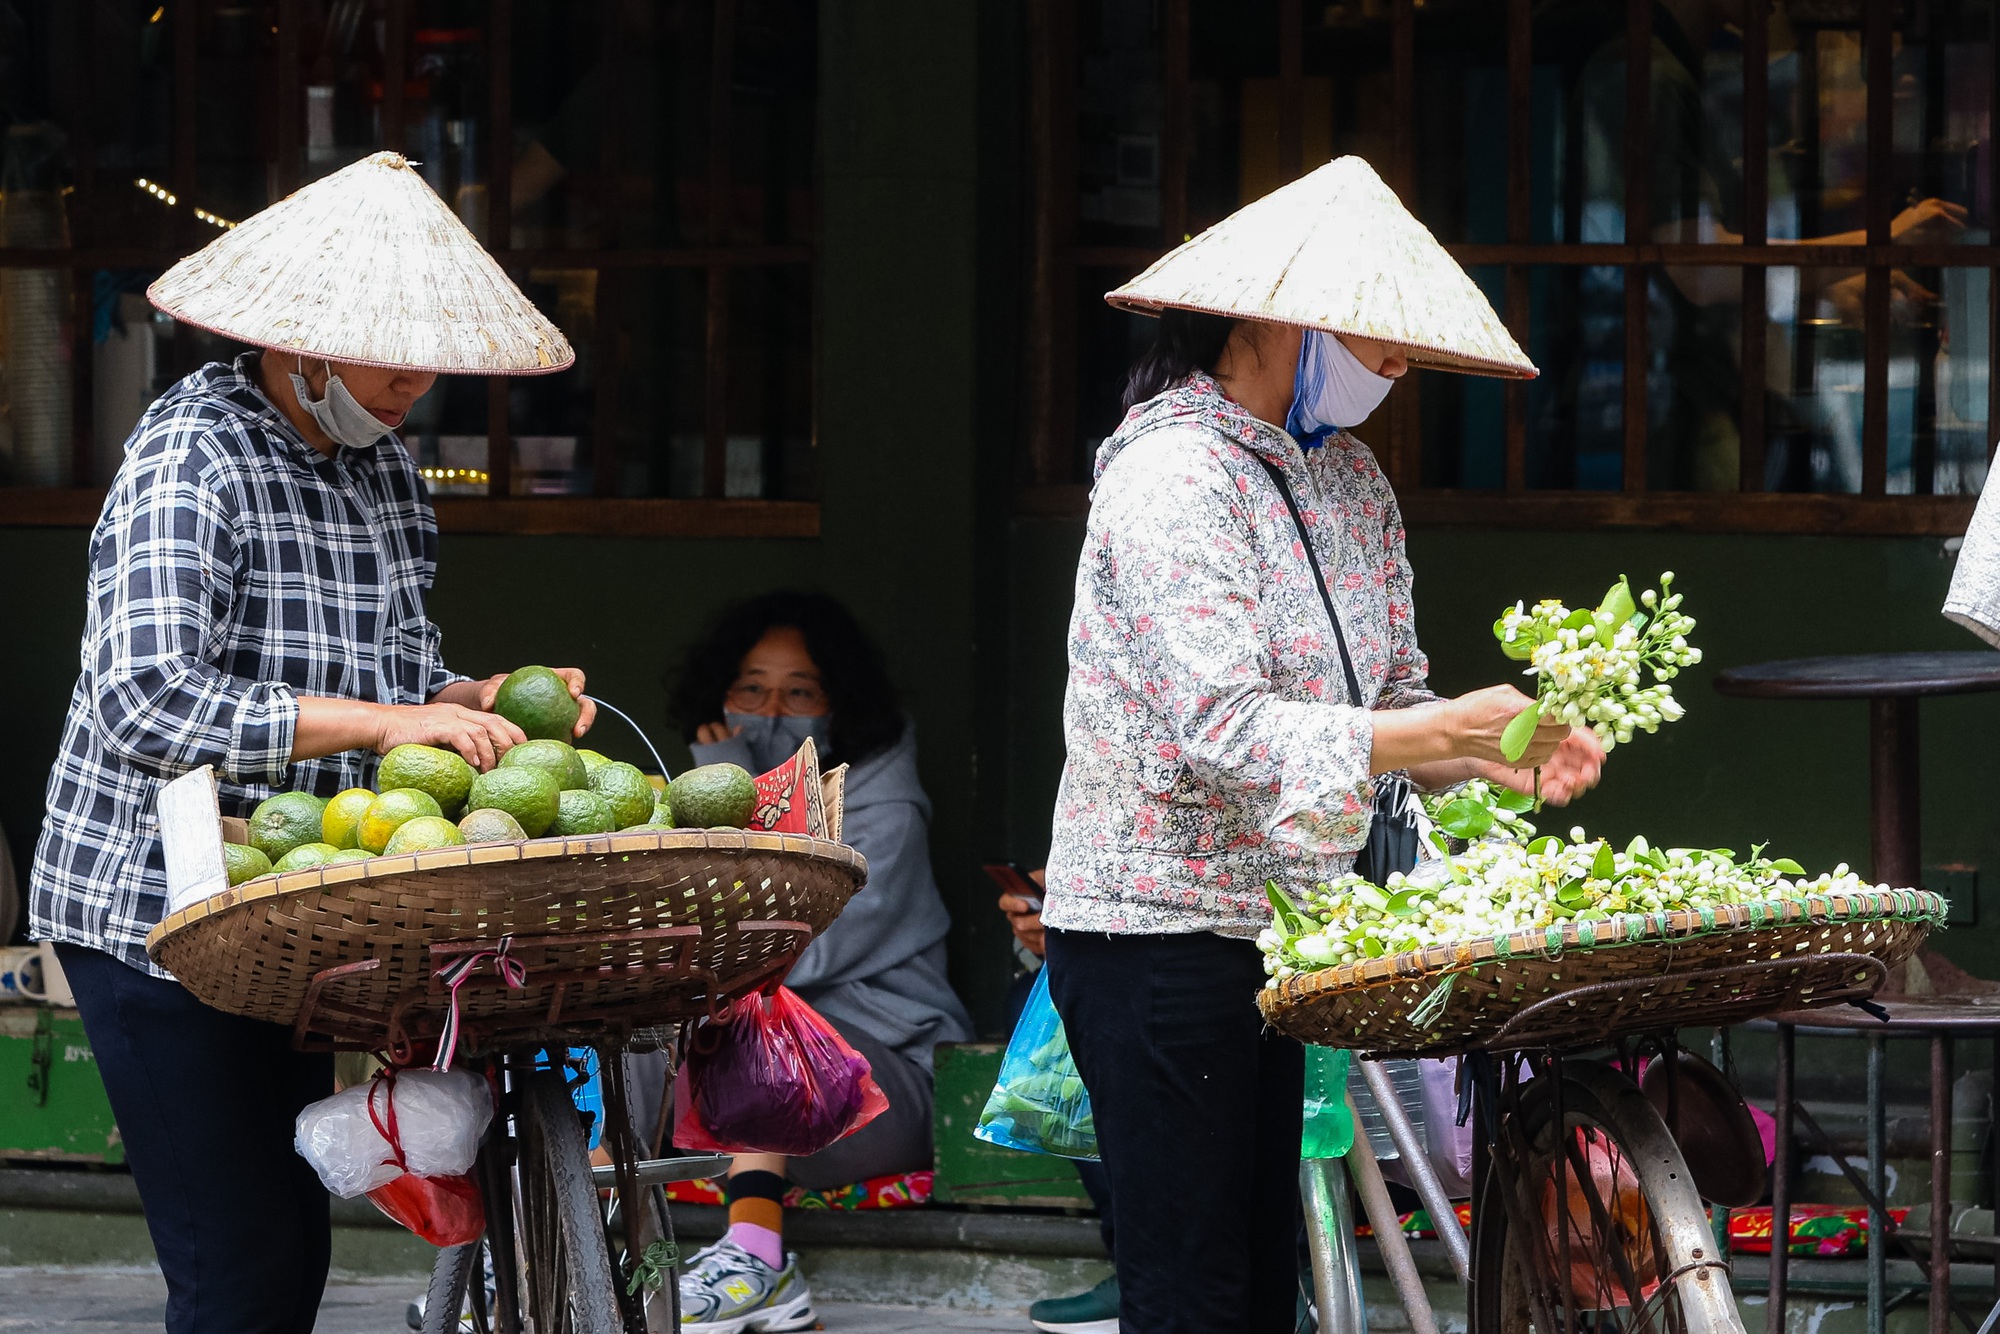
1319 578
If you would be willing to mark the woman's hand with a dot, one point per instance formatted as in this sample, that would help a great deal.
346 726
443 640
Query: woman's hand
1479 719
329 726
1573 770
482 738
708 734
572 677
1025 918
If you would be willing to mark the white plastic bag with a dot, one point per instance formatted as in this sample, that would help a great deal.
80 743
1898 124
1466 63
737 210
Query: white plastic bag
436 1121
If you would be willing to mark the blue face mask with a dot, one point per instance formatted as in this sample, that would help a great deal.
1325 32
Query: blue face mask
1332 390
773 740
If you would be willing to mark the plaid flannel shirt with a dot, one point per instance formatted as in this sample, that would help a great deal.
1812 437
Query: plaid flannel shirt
233 569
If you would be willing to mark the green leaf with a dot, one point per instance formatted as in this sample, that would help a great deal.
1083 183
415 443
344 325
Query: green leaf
1514 741
1546 843
1576 620
1290 920
1638 848
1573 895
1370 897
1507 799
1618 606
1373 947
1466 819
1605 866
1786 866
1656 859
1408 902
1441 841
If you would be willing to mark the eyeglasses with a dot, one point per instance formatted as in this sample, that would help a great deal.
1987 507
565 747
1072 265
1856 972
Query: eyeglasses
797 700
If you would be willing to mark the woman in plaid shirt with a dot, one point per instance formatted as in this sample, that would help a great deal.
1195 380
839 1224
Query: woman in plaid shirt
256 603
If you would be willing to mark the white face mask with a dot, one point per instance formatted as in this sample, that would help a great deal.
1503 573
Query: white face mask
1332 390
345 421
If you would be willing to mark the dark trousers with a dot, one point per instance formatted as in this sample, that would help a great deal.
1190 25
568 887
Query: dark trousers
205 1103
1198 1113
1095 1183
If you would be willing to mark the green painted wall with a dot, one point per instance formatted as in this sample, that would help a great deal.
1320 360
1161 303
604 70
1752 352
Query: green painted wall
1733 772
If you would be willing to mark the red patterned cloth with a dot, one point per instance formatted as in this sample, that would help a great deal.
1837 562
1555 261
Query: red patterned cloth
1817 1229
909 1190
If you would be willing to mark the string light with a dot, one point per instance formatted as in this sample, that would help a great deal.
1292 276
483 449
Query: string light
171 200
466 476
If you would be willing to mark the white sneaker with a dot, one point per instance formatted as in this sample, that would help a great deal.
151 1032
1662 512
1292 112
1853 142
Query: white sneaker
727 1290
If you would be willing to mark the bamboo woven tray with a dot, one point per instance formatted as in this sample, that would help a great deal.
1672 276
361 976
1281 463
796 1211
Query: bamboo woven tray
614 931
1675 968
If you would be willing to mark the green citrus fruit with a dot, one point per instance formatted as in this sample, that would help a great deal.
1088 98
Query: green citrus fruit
630 792
304 857
442 773
592 760
340 822
491 826
538 702
583 813
713 796
244 862
348 855
523 791
663 812
422 834
556 757
284 822
390 811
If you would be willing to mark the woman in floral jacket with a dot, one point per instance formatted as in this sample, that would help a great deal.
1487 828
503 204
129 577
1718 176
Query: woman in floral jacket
1212 741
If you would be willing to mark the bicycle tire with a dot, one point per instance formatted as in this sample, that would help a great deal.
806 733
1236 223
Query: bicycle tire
573 1285
1514 1215
444 1300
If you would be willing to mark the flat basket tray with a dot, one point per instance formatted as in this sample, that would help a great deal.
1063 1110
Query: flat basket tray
614 931
1677 968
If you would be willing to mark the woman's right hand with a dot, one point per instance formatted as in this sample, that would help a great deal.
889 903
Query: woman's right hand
708 734
1479 719
482 738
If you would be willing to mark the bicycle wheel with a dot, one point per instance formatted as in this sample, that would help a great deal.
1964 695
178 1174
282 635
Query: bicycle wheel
1630 1254
570 1285
452 1281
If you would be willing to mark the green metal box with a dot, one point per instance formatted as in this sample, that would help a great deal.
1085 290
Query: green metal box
971 1171
52 1103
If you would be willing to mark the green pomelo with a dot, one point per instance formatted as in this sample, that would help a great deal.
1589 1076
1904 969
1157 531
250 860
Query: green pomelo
527 793
538 702
713 796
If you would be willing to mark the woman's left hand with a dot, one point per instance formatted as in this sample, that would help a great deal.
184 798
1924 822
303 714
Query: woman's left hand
1573 770
572 677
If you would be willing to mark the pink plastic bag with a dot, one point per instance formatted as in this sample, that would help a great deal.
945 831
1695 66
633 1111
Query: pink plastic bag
771 1076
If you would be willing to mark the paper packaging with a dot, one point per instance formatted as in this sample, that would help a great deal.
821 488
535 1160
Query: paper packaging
192 832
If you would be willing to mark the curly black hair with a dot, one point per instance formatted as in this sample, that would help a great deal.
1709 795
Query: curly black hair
867 718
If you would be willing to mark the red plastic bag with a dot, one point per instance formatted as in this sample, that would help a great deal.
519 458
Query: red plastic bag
771 1076
444 1211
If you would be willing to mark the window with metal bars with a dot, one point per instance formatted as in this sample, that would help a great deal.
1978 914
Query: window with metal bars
1753 265
643 168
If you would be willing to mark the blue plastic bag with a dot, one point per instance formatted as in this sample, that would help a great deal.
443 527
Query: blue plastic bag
1040 1103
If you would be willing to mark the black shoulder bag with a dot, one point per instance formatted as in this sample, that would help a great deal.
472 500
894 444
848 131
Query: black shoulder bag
1392 832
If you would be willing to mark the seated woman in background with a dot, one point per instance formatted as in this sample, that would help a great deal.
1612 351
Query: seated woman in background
769 673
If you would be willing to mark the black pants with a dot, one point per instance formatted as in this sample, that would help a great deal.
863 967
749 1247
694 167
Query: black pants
1198 1113
205 1103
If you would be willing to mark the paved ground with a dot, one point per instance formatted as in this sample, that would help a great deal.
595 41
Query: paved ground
109 1301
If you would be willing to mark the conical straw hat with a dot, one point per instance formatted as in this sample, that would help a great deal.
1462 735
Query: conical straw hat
368 266
1336 250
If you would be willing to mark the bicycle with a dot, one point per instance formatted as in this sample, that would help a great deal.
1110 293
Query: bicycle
502 953
1585 1213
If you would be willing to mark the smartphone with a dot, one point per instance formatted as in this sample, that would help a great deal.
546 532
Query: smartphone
1012 878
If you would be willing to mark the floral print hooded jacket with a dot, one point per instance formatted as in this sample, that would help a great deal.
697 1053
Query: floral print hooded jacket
1211 742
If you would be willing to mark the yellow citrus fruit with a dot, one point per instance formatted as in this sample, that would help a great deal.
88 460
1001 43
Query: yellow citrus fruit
390 811
340 822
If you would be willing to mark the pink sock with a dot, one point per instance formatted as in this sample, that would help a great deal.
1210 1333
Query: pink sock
761 1242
